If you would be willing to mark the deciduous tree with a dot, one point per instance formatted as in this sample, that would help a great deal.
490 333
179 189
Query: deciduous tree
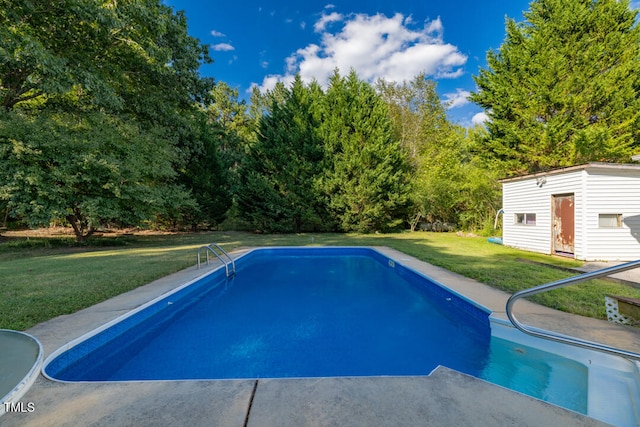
90 91
420 124
90 169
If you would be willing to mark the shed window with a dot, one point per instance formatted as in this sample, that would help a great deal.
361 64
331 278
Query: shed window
610 220
526 218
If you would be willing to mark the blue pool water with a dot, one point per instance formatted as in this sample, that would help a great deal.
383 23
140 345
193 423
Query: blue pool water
315 312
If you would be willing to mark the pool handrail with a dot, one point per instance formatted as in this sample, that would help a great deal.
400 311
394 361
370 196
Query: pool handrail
560 284
210 248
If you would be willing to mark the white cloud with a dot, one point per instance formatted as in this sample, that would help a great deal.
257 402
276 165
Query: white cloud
271 80
434 26
222 47
375 46
479 118
215 33
322 23
457 99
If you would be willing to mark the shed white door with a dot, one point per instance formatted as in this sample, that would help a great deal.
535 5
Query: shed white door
563 224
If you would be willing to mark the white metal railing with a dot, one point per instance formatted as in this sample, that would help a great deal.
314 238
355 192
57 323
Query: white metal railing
223 256
560 284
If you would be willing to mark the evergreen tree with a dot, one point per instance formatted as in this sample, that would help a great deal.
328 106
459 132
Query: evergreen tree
366 174
564 87
234 130
208 177
278 191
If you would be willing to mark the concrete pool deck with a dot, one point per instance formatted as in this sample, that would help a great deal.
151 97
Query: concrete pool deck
445 397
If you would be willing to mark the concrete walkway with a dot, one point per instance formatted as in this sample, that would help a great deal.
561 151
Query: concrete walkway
444 398
631 277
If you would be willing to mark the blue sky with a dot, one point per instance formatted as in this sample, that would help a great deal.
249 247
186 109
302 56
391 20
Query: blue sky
259 42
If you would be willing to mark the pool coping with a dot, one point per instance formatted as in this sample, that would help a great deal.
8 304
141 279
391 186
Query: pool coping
243 402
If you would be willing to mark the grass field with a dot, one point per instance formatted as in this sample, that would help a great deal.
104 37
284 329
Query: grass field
44 277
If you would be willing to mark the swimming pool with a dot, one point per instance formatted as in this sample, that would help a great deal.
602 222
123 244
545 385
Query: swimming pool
316 312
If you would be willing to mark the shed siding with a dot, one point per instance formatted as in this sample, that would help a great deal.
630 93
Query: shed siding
527 196
597 189
613 194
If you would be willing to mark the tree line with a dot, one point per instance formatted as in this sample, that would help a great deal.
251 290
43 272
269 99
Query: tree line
105 121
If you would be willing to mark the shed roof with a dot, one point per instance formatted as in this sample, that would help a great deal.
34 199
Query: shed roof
593 165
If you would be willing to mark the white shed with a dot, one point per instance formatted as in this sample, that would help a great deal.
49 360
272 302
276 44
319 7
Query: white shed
590 212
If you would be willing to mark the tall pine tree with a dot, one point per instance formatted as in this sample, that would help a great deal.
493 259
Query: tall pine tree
564 87
366 173
278 178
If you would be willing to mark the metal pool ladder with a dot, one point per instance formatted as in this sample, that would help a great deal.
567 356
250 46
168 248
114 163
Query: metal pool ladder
223 256
562 283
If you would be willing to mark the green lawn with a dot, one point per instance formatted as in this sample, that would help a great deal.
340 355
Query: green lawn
46 277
